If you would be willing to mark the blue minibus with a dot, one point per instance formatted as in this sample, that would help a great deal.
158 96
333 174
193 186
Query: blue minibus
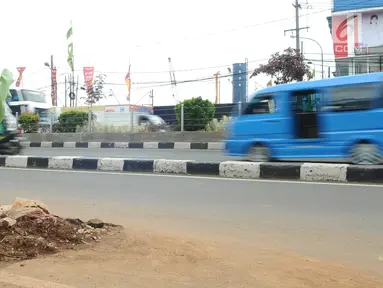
337 118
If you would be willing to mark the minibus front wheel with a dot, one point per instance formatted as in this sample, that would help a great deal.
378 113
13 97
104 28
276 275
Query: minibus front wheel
259 153
365 153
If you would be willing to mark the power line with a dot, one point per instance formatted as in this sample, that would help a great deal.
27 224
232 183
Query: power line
188 69
180 70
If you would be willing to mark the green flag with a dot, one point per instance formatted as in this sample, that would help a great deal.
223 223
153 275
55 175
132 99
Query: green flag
70 55
70 47
69 33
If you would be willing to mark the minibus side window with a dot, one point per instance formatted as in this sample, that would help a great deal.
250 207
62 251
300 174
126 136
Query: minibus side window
261 105
379 101
306 101
352 98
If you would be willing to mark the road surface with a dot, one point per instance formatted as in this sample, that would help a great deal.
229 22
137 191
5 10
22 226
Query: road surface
338 222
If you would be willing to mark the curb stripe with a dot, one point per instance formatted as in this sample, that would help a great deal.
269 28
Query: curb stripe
81 145
38 162
35 144
166 145
132 145
57 144
84 163
309 172
107 145
135 145
287 171
195 168
138 165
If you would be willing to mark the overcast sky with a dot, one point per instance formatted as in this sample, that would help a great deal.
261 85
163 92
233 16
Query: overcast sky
195 34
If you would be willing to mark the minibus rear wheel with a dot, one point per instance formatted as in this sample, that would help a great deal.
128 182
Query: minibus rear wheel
259 153
365 153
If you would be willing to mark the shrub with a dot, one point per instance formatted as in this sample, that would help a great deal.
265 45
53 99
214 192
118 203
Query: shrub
216 125
29 122
69 121
197 113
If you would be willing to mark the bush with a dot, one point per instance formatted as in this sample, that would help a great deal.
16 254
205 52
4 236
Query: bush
29 122
197 113
216 125
69 121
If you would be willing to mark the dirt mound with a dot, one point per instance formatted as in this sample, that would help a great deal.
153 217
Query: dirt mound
28 229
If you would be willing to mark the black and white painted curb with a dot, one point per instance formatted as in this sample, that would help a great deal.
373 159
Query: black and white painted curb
315 172
132 145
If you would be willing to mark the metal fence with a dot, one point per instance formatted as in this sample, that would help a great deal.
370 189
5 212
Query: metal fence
359 65
163 119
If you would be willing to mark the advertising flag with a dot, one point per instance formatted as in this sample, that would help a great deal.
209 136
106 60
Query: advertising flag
128 82
88 76
20 78
54 86
69 35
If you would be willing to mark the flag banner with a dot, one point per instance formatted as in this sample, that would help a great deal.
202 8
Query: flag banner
128 82
69 35
20 78
70 56
88 76
54 81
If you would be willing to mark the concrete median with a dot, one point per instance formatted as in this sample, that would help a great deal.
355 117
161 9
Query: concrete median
314 172
127 145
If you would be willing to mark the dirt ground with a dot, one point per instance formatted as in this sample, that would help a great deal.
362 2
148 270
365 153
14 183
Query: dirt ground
133 258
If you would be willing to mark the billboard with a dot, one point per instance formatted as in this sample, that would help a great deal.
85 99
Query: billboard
372 28
239 82
344 5
357 33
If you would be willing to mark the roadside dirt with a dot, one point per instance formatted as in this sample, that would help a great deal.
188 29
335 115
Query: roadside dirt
66 253
28 230
134 258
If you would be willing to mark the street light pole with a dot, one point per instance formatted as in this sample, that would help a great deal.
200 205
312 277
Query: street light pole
321 49
53 81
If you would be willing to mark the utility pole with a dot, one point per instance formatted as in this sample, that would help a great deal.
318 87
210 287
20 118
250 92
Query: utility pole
151 96
173 81
53 81
217 96
66 92
297 28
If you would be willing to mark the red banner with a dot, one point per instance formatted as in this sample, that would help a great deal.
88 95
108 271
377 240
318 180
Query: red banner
339 34
128 83
88 76
20 78
54 86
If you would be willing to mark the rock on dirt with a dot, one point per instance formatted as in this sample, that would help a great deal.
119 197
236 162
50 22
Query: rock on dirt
96 223
28 229
7 222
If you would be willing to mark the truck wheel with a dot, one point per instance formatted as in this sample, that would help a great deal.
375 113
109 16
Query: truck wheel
259 153
365 154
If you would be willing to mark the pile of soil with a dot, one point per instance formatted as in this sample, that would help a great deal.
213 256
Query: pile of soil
28 229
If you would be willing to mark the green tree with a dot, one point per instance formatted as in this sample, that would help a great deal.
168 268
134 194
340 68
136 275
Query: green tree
29 122
95 92
69 121
197 113
286 67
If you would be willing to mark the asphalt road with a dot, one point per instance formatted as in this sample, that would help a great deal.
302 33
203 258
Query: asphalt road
328 221
199 155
